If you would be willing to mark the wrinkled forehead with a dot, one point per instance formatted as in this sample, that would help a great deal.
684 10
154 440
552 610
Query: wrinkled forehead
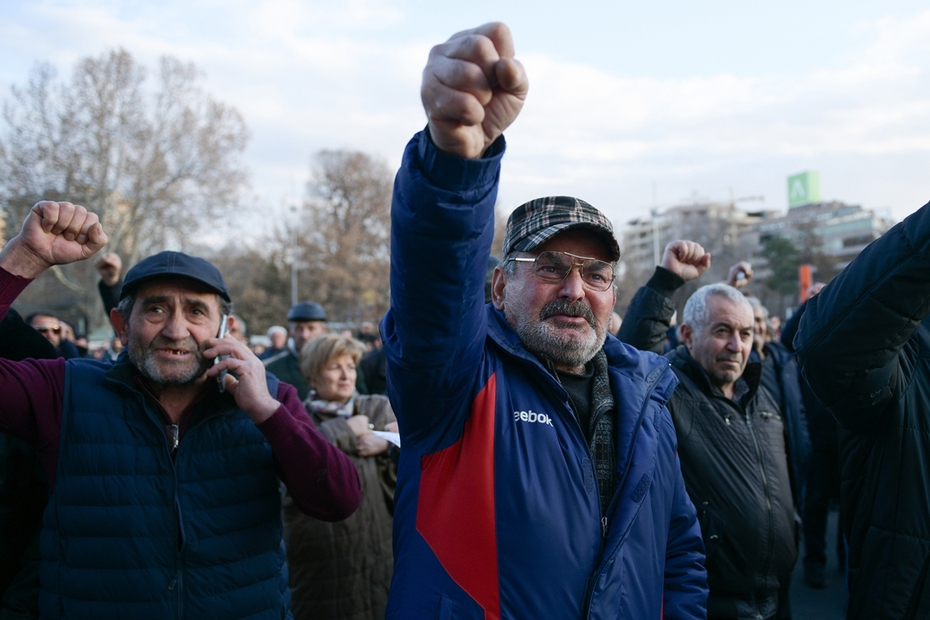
723 309
44 319
177 290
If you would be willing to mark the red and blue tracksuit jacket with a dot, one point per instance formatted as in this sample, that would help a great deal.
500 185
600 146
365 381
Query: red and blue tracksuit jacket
497 513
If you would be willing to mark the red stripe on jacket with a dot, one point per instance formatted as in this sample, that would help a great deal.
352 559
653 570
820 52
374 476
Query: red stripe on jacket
455 510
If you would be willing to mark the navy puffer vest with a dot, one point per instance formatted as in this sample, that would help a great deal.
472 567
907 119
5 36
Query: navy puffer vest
129 533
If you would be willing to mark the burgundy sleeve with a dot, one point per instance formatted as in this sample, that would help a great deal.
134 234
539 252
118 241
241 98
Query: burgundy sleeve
323 481
32 391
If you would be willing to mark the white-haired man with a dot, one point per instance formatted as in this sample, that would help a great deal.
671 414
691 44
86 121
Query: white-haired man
732 439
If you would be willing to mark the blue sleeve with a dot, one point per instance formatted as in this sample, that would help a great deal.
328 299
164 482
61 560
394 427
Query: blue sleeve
442 224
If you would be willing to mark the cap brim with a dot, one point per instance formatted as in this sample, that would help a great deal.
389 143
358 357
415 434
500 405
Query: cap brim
534 241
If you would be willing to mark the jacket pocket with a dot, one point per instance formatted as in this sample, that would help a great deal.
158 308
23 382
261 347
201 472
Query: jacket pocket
919 605
711 529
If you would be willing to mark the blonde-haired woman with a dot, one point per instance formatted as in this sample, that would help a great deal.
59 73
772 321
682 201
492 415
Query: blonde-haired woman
342 570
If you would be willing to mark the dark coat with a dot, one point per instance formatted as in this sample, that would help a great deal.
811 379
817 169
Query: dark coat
821 424
864 347
286 367
23 489
734 460
785 385
342 570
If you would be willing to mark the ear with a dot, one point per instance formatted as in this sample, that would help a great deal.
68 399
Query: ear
120 325
687 335
498 284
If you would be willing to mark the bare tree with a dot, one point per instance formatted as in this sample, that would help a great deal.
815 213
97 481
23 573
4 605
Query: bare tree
342 236
154 163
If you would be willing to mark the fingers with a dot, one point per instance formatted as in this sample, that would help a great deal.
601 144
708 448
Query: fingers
511 77
227 345
455 90
472 89
497 32
459 78
687 252
73 222
360 425
740 274
370 445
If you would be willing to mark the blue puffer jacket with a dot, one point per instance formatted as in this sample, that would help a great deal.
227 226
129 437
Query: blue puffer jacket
130 534
497 513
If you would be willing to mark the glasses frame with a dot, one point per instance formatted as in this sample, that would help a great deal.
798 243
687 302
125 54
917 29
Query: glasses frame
580 265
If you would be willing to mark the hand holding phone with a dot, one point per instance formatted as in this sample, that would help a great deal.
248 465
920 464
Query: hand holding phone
224 329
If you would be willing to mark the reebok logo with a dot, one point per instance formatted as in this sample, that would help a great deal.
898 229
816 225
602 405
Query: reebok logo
532 416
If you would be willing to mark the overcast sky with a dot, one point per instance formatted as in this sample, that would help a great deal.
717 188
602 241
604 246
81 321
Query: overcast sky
631 105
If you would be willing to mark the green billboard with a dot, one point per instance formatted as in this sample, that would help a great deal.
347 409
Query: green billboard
803 188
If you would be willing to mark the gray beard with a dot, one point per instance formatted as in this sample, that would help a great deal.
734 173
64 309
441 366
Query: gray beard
540 339
144 360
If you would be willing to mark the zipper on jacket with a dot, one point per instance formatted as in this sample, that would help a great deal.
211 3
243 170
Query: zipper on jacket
768 500
577 424
593 579
173 438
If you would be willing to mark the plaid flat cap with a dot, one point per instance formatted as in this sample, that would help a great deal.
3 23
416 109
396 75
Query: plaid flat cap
535 222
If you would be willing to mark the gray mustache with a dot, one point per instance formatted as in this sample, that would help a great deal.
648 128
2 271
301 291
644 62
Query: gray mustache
568 308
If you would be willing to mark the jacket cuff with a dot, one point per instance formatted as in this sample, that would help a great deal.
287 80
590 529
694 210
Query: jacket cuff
449 172
665 282
11 286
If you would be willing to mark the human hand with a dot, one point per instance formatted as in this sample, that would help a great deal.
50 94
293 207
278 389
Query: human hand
360 425
54 233
686 259
740 274
67 332
473 89
110 266
250 389
392 427
370 445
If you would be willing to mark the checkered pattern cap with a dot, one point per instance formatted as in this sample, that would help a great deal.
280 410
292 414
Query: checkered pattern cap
535 222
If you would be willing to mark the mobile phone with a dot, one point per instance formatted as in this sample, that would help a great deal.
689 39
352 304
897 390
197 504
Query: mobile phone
224 329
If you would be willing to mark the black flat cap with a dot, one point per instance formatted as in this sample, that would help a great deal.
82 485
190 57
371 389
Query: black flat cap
169 265
307 311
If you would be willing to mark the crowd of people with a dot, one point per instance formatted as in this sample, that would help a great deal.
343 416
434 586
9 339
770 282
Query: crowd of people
504 447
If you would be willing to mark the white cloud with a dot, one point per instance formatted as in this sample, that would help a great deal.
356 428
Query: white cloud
332 74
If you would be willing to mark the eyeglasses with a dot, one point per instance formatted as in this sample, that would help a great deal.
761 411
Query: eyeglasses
554 267
48 328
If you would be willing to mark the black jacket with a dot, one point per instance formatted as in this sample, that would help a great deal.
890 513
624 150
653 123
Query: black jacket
864 346
23 489
821 424
734 461
783 383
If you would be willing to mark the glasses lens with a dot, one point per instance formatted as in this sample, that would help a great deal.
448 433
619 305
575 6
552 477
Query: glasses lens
48 328
597 274
552 266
